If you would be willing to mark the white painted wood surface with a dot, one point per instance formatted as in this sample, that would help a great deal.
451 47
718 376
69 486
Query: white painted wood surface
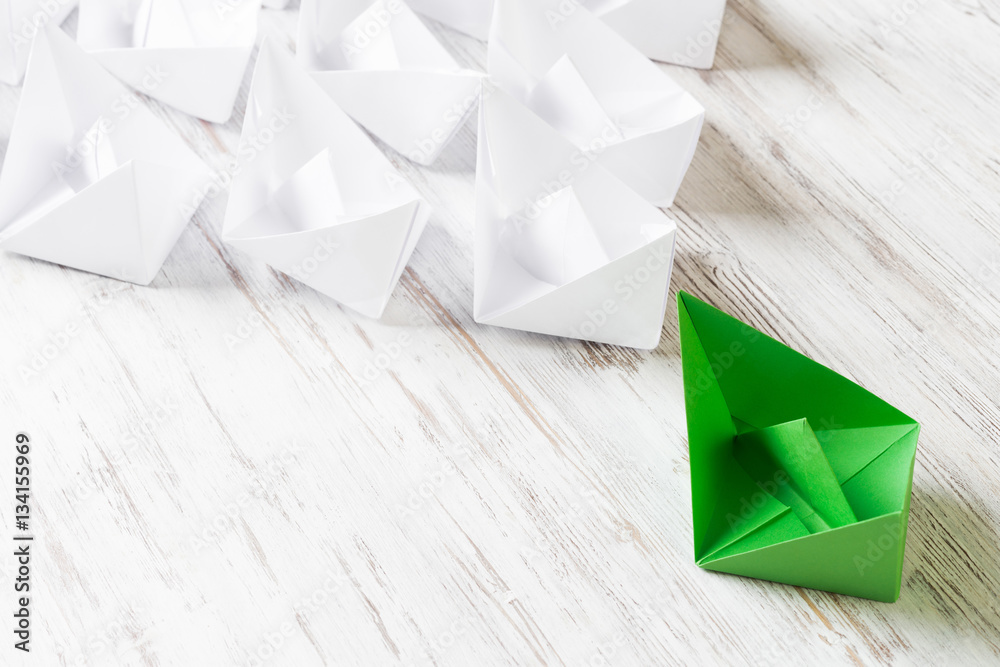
422 490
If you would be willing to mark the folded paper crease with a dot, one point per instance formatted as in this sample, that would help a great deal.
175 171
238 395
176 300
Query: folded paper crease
189 54
563 249
319 201
614 105
382 65
673 31
92 179
794 468
20 21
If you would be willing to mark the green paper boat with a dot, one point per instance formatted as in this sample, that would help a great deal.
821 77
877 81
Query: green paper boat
798 475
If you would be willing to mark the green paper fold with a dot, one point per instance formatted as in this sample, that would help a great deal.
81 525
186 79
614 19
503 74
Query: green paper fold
798 475
789 460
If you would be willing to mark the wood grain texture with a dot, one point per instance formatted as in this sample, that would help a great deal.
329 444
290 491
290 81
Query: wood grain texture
233 469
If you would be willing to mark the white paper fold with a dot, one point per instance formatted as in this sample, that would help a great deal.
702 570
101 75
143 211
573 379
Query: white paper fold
563 247
313 196
616 106
189 54
682 32
20 21
469 16
382 65
92 179
672 31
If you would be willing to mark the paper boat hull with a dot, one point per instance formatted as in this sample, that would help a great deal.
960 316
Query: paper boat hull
123 226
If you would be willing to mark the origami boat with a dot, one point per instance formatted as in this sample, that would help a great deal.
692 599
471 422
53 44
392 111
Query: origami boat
314 197
92 179
798 475
563 248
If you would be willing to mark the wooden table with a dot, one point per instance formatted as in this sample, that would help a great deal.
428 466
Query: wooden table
232 469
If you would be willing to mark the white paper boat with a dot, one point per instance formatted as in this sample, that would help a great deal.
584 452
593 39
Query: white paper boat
189 54
563 249
92 179
314 197
616 106
382 65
